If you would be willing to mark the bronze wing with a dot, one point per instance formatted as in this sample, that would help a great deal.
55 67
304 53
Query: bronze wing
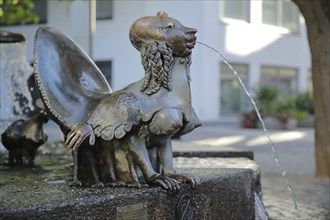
117 115
69 82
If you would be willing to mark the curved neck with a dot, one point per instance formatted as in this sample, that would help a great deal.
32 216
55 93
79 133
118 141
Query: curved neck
180 72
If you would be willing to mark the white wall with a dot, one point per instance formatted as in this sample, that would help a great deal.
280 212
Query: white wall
71 17
111 42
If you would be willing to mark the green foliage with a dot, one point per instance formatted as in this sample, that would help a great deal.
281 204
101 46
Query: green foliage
304 102
265 97
298 107
17 12
266 93
283 109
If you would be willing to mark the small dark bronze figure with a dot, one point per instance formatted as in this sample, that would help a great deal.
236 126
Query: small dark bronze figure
23 137
122 137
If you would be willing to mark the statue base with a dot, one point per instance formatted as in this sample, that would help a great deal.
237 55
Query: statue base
44 193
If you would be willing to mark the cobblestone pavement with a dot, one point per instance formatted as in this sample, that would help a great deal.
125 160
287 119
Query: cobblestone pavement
296 153
312 196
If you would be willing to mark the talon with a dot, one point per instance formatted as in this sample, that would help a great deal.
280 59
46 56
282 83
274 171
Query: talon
134 185
78 134
193 181
98 185
121 183
162 184
171 185
177 187
75 183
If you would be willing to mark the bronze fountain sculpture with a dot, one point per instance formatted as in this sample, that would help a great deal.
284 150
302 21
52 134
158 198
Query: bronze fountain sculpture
122 137
23 138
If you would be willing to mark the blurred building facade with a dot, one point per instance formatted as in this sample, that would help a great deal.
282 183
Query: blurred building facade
265 41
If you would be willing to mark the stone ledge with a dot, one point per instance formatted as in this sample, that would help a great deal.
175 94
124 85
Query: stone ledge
226 192
44 194
189 149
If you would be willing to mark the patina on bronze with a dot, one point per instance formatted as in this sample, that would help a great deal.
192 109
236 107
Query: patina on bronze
25 133
9 37
123 137
23 137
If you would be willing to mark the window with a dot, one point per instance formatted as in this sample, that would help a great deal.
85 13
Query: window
233 99
103 9
285 79
40 8
105 67
236 9
280 13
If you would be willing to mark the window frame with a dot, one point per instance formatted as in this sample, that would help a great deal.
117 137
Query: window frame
108 17
255 13
107 75
280 16
226 19
278 70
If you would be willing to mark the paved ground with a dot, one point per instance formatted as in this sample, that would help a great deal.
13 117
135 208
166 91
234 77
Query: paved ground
296 154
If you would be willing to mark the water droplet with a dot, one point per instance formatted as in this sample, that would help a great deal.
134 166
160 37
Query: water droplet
273 149
277 162
295 205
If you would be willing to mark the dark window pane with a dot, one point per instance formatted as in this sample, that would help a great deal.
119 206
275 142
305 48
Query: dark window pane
41 10
285 79
105 67
280 13
103 9
236 9
290 16
233 99
270 12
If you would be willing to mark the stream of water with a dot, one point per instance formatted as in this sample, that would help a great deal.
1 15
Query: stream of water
273 146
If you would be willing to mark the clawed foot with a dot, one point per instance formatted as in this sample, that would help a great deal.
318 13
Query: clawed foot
171 185
123 184
193 181
78 134
116 184
75 183
134 185
98 185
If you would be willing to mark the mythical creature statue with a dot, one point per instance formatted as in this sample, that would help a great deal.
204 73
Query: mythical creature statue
122 137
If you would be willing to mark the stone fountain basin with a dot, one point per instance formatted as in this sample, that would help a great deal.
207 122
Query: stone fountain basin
226 192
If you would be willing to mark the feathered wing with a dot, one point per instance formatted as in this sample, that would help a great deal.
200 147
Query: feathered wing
115 116
69 82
